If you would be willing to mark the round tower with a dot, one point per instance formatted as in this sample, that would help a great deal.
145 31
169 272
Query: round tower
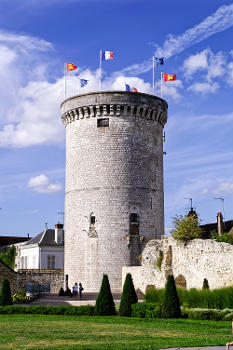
114 183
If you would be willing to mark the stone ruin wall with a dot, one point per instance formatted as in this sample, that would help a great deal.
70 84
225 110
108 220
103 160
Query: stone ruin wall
189 264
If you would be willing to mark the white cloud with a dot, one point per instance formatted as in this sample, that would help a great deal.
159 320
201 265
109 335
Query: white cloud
41 184
196 62
229 74
220 189
204 88
219 21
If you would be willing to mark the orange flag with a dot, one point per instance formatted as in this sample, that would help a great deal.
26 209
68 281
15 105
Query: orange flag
169 77
70 66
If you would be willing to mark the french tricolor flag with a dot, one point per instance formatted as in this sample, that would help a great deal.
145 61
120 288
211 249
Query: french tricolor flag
128 88
107 55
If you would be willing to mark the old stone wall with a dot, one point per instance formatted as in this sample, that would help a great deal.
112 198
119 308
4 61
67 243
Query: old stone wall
189 264
11 275
114 168
55 278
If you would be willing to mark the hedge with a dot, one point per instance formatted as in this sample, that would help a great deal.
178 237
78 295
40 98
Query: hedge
85 310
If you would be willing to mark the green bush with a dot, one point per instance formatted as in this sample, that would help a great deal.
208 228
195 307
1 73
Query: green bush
85 310
171 303
146 310
6 293
128 297
225 237
104 303
205 314
20 297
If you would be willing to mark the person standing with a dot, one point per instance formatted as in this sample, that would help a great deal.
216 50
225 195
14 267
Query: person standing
80 290
75 289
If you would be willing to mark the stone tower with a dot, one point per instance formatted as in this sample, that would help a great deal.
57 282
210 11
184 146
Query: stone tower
114 183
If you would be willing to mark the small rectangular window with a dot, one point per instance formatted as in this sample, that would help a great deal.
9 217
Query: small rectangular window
92 220
102 122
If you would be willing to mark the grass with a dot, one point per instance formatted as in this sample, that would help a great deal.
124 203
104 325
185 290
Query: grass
49 332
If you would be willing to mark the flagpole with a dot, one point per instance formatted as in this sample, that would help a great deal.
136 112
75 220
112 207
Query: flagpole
161 86
153 75
100 70
65 79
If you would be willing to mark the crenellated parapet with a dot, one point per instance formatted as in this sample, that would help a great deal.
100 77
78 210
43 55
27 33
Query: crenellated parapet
119 103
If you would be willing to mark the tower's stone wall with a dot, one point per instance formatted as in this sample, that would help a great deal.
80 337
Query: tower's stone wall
112 173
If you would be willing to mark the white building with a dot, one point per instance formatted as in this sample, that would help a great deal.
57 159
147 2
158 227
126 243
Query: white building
45 251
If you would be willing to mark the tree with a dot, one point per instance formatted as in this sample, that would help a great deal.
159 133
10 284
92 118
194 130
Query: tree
186 228
6 293
104 303
205 284
128 297
171 303
8 256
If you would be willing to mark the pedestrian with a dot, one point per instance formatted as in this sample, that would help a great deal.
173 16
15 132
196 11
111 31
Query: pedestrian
81 290
230 343
75 289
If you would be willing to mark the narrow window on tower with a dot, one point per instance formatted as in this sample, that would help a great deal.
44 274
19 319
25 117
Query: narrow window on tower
102 122
134 224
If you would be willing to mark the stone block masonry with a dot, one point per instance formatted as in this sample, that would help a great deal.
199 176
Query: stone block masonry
114 183
189 263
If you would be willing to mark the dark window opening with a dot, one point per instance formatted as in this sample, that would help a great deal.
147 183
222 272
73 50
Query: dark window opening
92 220
133 217
134 224
103 122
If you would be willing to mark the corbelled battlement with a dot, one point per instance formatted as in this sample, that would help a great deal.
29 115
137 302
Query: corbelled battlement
114 103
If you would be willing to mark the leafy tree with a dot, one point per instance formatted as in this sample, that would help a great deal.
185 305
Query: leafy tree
104 303
171 303
128 297
6 293
205 284
7 256
186 228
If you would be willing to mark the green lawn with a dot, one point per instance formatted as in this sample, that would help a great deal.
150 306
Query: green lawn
84 332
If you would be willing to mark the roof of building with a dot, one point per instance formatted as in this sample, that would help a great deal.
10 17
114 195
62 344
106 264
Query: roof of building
8 240
227 226
45 238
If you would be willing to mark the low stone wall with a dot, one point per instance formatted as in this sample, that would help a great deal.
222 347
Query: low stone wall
189 264
55 278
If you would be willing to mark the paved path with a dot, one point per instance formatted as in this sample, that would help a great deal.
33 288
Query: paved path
87 299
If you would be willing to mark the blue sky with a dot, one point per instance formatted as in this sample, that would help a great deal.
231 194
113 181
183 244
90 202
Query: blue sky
36 37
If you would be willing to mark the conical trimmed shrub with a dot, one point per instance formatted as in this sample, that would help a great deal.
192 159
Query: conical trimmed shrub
6 293
104 303
128 297
205 284
171 303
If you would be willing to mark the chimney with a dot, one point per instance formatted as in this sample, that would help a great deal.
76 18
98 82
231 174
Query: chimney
219 223
59 233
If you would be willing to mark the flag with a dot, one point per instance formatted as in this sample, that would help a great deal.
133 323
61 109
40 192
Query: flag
83 82
169 77
128 88
70 66
107 55
159 60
